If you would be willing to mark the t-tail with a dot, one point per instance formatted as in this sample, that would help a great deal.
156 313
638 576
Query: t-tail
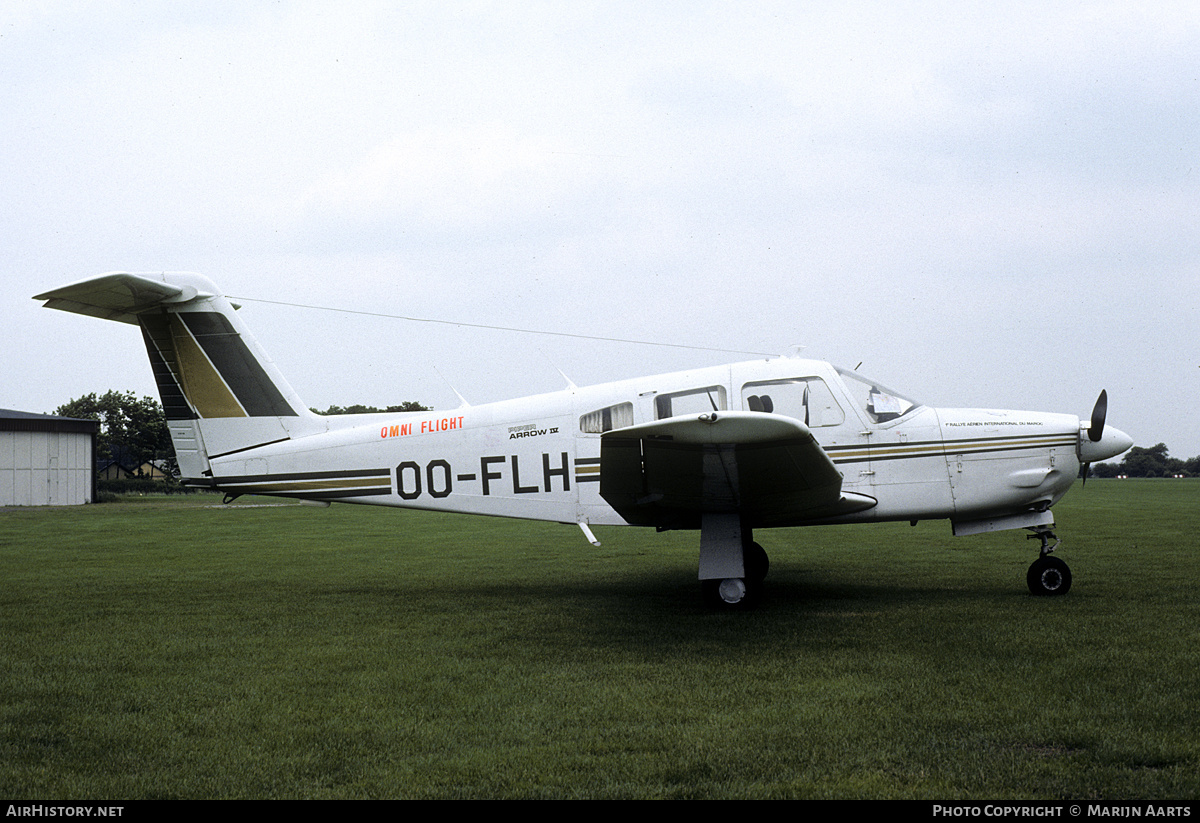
220 392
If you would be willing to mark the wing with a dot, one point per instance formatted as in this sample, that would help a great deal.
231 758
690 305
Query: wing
767 467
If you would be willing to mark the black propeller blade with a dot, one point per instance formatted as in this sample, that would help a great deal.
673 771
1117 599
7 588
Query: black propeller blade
1099 412
1096 429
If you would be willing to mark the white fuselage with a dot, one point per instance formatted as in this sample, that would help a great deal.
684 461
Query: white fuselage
538 457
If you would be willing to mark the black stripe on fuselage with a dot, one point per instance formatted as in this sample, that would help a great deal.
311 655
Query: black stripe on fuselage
587 469
331 475
249 448
318 485
375 491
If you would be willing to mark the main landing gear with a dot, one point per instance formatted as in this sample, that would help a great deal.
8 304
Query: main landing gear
1048 575
739 592
732 565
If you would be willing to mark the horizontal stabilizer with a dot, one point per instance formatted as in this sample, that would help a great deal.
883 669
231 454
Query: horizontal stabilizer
118 296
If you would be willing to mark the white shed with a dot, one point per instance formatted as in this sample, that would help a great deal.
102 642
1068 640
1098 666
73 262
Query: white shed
46 460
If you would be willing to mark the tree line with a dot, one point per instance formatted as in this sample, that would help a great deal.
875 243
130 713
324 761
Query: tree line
133 431
406 406
1149 462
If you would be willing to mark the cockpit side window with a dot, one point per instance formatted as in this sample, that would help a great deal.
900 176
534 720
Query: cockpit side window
693 401
880 403
807 399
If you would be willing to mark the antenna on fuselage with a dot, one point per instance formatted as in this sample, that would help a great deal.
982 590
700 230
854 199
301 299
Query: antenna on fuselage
462 400
570 383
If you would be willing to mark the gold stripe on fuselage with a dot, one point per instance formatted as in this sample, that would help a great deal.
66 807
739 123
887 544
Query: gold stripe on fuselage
893 451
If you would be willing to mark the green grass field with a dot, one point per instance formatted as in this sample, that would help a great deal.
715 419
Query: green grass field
172 648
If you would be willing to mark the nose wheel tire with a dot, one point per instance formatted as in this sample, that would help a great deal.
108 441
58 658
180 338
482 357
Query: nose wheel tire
1049 576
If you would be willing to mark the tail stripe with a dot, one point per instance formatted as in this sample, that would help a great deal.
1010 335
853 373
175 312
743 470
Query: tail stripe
157 335
204 369
256 393
201 382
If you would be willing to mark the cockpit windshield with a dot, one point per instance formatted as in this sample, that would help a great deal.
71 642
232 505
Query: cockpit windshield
880 403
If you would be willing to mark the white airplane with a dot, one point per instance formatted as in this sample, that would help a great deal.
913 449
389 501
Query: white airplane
726 450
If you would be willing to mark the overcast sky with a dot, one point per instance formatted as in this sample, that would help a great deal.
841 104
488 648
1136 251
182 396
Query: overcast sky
988 205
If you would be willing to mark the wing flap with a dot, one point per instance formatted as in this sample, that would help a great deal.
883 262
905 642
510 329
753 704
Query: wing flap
768 468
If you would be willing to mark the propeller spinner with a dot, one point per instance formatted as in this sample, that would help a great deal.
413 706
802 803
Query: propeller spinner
1101 443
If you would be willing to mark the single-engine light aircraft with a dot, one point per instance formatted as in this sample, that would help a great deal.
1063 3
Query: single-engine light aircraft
725 450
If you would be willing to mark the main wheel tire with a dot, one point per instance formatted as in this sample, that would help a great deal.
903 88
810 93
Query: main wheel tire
1049 577
729 594
756 562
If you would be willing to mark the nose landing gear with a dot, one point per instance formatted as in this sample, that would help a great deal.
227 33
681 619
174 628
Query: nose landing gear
1048 576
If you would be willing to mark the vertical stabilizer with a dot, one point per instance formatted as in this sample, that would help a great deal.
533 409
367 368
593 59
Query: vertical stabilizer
220 391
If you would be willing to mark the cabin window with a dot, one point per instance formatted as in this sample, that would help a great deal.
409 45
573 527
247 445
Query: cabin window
693 401
807 399
607 419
